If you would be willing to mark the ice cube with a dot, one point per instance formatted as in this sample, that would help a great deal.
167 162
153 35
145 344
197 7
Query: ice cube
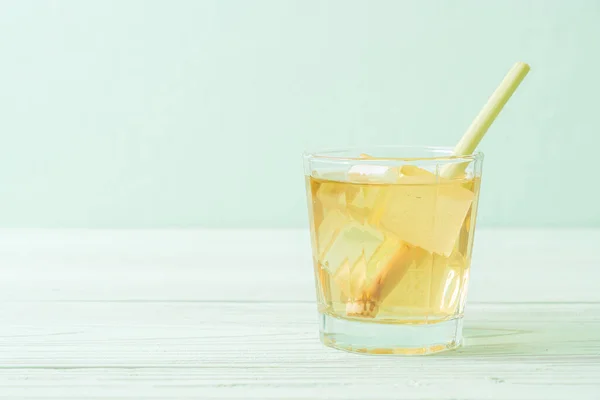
363 207
365 173
351 279
333 222
431 286
422 209
423 214
348 243
332 196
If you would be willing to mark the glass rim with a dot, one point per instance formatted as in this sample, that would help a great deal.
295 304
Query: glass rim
439 153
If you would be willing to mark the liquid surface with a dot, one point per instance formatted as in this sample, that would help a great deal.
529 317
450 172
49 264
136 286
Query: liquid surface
393 245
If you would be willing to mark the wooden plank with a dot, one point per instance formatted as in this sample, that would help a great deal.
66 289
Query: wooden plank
207 314
261 265
126 350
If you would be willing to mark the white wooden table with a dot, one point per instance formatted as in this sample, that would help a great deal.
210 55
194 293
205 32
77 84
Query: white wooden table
211 314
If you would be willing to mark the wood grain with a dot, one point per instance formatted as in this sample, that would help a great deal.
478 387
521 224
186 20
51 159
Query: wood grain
181 315
267 265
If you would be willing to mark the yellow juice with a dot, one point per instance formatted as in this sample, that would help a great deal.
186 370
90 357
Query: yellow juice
394 251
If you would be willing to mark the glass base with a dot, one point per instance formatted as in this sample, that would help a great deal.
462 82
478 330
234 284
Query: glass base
378 338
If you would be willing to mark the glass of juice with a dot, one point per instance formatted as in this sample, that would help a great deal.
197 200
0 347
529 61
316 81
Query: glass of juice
392 232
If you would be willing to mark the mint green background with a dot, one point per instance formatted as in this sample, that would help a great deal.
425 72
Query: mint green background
195 113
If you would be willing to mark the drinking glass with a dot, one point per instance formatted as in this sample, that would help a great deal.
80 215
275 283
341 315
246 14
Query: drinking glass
392 232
